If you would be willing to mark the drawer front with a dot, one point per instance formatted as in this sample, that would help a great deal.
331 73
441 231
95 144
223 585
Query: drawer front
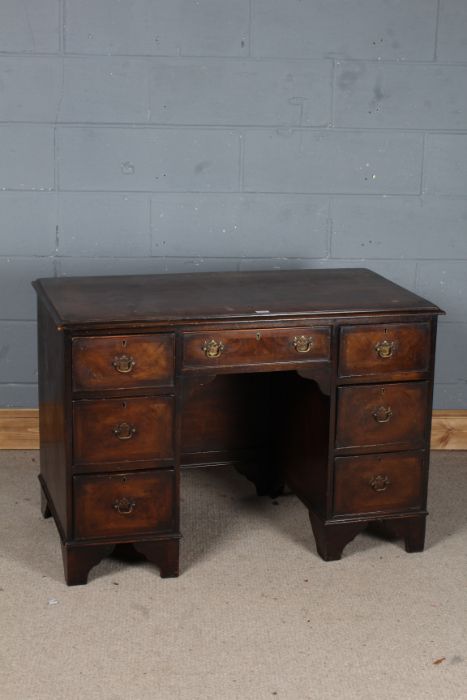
256 346
373 483
122 362
112 505
382 415
384 348
115 430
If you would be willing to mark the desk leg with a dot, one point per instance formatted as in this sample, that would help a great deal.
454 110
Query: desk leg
266 476
411 530
78 560
163 553
331 538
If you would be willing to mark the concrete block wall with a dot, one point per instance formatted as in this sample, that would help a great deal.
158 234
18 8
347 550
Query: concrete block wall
179 135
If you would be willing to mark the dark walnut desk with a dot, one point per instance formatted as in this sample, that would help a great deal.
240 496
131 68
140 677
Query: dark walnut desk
321 379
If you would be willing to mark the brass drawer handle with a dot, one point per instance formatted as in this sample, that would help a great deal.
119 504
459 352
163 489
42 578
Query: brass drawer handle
385 348
303 343
380 483
124 431
124 506
213 348
382 414
123 364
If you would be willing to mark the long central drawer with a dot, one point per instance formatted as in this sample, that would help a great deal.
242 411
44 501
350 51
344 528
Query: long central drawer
232 348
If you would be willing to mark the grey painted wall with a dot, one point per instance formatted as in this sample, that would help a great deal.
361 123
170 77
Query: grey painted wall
174 135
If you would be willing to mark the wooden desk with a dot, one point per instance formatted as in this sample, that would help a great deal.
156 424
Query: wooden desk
321 379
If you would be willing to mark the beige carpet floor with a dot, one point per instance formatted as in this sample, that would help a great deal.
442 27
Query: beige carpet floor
255 613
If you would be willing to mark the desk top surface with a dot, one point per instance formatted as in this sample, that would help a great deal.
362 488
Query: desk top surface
82 301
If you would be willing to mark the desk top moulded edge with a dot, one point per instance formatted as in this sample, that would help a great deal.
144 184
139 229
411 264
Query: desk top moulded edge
111 301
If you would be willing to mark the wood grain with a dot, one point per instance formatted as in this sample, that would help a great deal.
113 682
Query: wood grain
449 430
19 429
401 477
113 505
256 346
95 422
93 358
401 425
410 349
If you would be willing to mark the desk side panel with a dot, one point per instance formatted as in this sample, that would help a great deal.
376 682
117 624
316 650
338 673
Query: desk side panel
304 438
53 419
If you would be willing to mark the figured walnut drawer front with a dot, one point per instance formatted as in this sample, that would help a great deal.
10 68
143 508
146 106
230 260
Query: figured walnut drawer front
382 415
114 430
256 346
382 348
122 362
372 483
111 505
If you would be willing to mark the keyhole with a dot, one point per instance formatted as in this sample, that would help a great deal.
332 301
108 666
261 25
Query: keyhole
124 343
124 404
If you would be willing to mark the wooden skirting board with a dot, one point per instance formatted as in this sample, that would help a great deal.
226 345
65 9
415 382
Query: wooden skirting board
19 429
449 430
